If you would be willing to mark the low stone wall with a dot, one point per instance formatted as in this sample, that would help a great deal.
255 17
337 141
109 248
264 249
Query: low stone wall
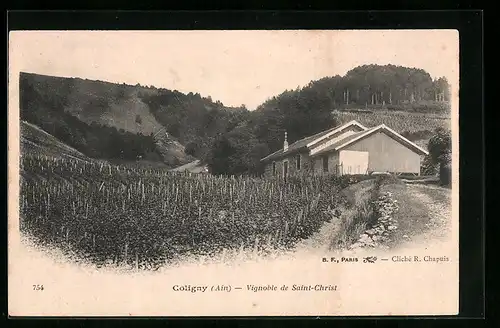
380 232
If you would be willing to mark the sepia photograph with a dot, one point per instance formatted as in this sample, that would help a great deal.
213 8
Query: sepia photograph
233 173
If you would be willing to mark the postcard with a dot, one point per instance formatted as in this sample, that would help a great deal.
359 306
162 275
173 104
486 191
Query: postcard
233 173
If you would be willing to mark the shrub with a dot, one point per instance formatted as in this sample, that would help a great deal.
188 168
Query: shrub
428 167
445 175
191 149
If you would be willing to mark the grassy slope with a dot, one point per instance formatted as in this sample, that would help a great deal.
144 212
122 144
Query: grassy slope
101 102
355 213
37 141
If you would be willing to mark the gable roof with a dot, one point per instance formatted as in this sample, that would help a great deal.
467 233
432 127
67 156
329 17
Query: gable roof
338 129
339 145
309 141
340 142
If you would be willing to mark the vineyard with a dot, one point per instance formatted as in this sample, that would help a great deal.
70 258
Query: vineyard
398 121
148 217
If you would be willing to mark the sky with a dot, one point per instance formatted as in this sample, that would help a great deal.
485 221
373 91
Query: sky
234 67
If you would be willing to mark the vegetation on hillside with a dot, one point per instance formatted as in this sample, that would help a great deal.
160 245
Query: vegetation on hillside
47 111
34 140
413 125
81 112
193 120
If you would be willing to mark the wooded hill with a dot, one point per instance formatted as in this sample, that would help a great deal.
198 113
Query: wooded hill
118 121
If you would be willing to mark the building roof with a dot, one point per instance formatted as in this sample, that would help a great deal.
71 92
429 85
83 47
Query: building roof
309 141
340 142
339 145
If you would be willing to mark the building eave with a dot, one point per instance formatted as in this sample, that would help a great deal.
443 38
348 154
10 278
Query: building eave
340 128
269 156
281 155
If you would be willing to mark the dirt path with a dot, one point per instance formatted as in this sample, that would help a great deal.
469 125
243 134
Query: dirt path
424 214
437 201
320 241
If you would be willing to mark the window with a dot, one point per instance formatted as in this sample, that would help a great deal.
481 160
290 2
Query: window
325 163
274 168
298 162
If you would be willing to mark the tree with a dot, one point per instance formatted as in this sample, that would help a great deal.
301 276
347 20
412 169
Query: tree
121 92
138 119
191 149
439 148
221 150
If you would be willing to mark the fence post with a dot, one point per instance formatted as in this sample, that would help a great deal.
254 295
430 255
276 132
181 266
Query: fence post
125 255
256 245
241 251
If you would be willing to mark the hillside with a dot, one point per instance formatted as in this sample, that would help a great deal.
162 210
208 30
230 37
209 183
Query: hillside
35 140
123 122
417 127
397 120
96 101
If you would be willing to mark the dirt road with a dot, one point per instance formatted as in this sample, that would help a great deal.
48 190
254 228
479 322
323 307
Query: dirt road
437 201
424 214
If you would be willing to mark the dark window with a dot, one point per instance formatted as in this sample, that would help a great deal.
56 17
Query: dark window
325 163
274 168
298 162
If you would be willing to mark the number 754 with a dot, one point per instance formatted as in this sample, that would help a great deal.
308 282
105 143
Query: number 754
37 287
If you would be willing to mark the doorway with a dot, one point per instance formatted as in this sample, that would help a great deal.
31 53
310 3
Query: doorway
354 162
